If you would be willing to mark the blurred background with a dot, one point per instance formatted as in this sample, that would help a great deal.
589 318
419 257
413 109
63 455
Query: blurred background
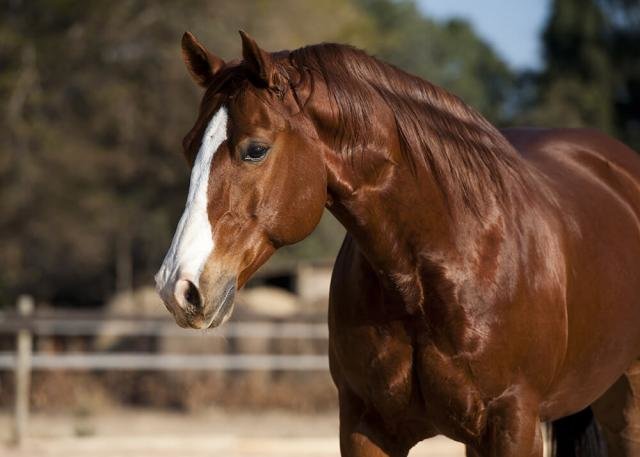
94 102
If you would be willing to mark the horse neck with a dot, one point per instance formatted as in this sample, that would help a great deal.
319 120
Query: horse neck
404 228
399 212
394 216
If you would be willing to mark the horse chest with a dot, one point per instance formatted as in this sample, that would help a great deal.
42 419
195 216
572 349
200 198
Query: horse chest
392 360
403 380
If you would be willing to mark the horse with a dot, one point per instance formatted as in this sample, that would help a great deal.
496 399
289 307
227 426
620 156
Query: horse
489 280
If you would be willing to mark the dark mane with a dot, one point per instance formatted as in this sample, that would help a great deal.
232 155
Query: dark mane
469 158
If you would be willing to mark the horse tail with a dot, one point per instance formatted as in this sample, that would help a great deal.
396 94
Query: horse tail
577 435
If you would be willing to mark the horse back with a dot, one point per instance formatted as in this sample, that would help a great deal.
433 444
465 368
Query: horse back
598 154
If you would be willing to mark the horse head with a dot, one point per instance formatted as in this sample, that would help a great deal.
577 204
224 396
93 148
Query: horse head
258 181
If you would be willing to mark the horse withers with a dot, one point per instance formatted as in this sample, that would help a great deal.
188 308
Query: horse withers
489 280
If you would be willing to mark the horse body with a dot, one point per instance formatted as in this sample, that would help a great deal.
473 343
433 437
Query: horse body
597 181
455 355
489 280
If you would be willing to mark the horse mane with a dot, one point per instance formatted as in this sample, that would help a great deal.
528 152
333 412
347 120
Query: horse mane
468 157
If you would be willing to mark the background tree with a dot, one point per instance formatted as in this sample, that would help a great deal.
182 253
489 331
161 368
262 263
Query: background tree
624 37
94 101
592 69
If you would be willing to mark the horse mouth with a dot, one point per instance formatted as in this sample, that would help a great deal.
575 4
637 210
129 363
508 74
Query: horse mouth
223 311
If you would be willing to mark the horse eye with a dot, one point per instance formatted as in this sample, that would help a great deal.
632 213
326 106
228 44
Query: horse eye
255 152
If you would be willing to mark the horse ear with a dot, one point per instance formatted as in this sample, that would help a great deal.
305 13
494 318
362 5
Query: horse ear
260 62
202 65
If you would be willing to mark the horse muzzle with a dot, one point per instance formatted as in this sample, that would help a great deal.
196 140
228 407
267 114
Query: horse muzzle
208 305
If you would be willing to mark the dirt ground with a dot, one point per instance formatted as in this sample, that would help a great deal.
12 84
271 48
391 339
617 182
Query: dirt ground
142 433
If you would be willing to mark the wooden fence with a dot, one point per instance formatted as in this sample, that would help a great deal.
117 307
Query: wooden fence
26 324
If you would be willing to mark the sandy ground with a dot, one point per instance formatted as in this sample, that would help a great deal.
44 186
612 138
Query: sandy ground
143 433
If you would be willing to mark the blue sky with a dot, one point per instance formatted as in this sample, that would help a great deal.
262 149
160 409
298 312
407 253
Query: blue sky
512 27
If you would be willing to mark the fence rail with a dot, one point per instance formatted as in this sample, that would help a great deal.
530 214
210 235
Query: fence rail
27 324
169 362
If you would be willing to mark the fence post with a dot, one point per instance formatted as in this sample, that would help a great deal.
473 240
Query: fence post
23 370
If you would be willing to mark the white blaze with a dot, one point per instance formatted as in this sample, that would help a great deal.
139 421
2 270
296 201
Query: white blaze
193 241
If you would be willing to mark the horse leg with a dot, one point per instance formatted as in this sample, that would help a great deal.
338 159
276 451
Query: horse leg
512 428
618 413
362 434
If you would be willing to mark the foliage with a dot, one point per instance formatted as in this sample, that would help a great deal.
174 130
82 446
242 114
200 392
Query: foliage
592 72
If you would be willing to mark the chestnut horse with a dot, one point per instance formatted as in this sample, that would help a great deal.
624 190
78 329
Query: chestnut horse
489 280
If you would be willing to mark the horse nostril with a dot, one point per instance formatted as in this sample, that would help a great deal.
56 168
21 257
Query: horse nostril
192 296
186 294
